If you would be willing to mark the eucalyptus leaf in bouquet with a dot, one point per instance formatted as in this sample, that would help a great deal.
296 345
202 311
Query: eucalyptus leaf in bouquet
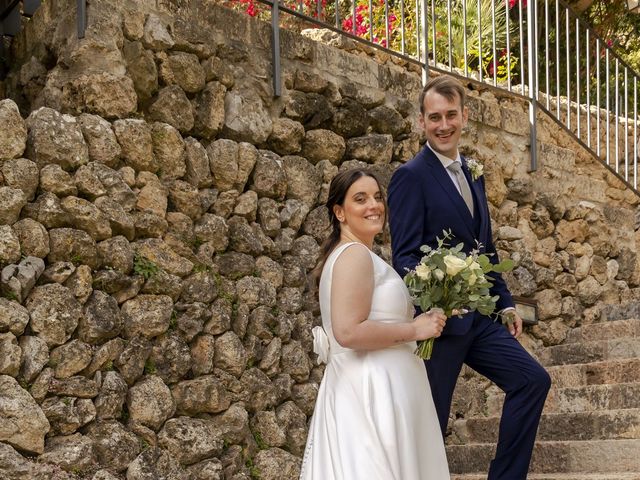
453 281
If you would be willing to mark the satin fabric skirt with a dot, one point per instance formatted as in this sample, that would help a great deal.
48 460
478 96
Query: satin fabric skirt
375 419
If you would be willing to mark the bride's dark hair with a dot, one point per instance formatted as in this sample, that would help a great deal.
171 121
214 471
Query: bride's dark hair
337 193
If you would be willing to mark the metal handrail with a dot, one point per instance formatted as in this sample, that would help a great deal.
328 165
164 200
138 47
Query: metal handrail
12 13
9 10
16 9
538 49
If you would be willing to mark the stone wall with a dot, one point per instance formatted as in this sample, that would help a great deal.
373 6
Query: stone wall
160 212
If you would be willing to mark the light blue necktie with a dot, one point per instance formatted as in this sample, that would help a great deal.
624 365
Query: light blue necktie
456 169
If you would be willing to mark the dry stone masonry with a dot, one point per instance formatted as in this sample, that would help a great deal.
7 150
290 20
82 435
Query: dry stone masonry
160 213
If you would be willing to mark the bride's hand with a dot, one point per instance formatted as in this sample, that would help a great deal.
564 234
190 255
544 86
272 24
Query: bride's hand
429 324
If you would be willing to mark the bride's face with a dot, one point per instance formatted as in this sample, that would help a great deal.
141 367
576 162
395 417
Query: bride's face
363 211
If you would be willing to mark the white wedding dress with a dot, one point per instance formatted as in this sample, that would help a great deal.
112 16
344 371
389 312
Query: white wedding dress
374 417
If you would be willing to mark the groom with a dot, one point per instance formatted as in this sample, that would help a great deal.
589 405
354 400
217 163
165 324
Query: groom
434 192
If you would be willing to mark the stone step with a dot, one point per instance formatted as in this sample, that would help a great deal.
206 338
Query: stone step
581 398
560 476
602 425
620 311
596 373
588 352
605 331
588 457
593 398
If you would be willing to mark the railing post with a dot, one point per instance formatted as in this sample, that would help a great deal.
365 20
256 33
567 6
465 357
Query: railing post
3 54
425 49
533 81
275 47
82 17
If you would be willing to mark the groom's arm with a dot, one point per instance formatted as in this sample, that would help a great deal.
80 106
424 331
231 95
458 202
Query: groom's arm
499 285
406 219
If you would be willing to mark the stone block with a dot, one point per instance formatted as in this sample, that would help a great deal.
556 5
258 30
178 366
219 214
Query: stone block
513 121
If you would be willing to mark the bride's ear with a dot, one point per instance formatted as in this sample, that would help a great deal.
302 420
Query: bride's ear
338 211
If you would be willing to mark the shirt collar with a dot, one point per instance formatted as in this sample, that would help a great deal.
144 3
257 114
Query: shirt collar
446 161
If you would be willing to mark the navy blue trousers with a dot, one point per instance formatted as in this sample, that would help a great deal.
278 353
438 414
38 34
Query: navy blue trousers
491 350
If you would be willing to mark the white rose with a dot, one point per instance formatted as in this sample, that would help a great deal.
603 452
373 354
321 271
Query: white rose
454 264
439 274
423 271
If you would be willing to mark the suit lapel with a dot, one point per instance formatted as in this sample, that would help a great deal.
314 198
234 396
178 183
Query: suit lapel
479 200
442 177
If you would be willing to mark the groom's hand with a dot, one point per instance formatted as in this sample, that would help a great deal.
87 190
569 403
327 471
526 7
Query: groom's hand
515 328
513 322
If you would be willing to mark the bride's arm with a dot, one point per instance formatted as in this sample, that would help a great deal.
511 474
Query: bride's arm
351 292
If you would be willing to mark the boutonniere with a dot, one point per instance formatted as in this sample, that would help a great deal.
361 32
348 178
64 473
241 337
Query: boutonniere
475 168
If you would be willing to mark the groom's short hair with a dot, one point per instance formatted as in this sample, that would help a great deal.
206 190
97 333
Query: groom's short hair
445 85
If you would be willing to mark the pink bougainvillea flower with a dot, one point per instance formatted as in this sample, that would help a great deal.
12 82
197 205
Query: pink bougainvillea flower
252 10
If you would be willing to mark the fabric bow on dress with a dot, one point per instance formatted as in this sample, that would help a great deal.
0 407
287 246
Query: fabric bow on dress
320 344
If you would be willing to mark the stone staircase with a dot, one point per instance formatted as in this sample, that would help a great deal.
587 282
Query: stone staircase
590 428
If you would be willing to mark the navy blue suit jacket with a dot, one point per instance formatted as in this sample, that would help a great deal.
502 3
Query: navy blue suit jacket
423 201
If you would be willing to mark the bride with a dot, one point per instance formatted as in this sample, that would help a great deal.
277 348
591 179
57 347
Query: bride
374 417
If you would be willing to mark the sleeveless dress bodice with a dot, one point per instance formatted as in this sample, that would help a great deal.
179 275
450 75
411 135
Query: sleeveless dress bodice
374 417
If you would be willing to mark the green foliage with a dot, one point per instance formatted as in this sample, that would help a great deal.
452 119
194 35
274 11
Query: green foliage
383 24
108 366
150 367
9 295
479 35
262 445
611 27
197 242
612 21
273 328
76 259
254 472
173 322
222 293
201 267
217 280
145 267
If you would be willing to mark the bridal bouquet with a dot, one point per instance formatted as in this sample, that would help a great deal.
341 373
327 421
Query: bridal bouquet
453 281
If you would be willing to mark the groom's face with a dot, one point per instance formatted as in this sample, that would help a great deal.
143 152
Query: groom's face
443 121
